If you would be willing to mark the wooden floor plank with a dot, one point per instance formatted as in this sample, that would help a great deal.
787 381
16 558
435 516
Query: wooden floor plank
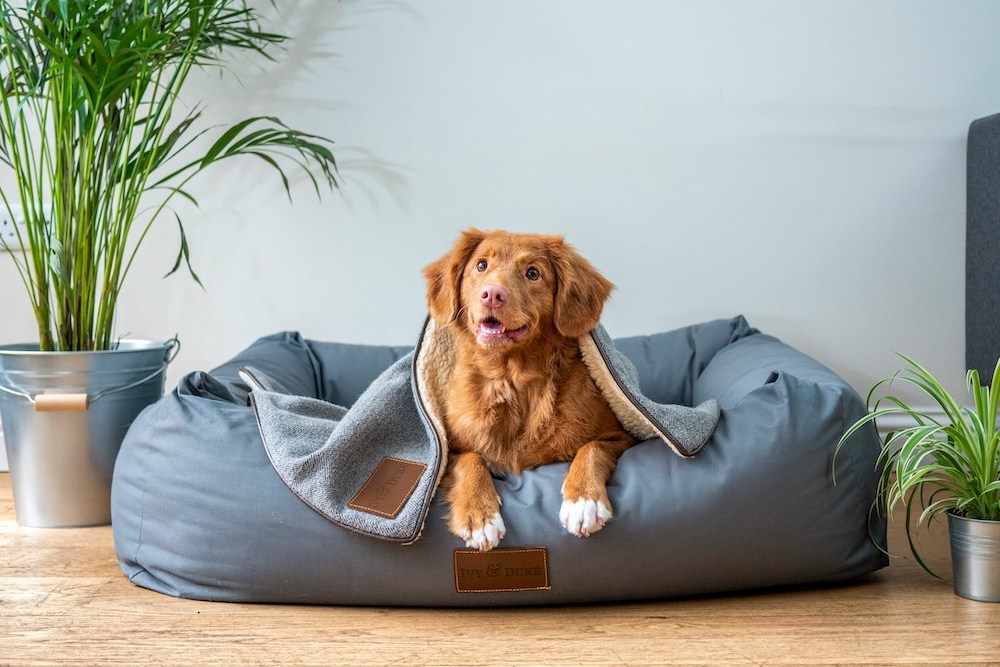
63 601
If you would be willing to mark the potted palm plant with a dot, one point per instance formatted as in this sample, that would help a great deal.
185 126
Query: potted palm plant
946 462
94 147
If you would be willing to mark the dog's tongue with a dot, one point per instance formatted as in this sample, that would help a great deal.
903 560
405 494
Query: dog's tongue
491 326
492 332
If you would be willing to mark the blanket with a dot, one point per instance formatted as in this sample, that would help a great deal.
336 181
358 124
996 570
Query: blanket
375 466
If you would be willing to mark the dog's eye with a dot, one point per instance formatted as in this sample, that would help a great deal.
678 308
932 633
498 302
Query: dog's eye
481 266
532 273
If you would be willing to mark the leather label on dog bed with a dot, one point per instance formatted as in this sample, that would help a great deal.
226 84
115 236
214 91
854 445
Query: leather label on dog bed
389 487
502 570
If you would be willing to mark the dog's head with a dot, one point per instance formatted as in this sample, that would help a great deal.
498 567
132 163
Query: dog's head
507 289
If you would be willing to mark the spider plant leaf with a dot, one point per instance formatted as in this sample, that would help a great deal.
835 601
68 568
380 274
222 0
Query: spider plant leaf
924 380
936 508
912 543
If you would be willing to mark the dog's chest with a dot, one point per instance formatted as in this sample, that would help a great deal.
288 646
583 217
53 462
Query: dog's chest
502 410
513 424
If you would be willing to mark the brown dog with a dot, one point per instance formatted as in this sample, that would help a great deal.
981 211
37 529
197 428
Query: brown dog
520 395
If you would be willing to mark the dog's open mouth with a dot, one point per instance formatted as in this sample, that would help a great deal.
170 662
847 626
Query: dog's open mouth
491 331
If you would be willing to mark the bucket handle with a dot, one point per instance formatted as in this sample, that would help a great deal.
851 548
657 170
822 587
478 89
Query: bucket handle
80 402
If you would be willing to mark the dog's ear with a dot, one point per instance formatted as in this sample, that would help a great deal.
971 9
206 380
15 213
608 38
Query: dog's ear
444 276
581 290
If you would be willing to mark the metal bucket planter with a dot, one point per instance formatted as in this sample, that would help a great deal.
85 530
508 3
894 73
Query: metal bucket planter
975 557
64 416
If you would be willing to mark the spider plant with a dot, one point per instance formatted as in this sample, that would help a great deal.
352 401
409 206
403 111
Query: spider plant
97 145
948 460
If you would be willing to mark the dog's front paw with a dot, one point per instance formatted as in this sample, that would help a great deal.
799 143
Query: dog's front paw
584 516
482 535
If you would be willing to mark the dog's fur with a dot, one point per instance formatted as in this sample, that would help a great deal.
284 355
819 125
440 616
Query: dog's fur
520 395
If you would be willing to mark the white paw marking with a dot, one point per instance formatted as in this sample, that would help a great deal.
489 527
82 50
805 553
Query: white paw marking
584 516
488 536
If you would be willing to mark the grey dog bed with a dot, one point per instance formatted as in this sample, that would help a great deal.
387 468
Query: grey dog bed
199 511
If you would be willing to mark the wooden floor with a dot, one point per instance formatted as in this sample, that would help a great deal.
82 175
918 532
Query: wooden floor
63 601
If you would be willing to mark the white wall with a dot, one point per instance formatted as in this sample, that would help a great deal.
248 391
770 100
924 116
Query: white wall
800 163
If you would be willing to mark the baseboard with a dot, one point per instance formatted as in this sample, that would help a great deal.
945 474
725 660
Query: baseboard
896 422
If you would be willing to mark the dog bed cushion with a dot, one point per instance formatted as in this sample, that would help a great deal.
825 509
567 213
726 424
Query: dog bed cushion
198 510
374 467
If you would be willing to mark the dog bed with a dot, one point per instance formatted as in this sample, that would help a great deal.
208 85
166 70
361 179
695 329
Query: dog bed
199 510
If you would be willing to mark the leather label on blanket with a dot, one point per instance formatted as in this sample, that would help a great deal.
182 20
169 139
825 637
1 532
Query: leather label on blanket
389 487
502 570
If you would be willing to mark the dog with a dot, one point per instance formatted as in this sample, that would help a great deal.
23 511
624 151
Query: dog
520 395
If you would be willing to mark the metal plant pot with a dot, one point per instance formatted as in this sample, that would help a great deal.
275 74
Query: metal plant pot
975 557
64 416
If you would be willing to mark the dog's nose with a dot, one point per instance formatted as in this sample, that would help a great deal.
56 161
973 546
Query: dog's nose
493 296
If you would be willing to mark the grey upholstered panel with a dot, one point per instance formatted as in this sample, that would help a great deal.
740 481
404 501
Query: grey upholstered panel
982 246
199 512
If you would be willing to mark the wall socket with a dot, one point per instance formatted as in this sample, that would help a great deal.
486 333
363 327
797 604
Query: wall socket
11 223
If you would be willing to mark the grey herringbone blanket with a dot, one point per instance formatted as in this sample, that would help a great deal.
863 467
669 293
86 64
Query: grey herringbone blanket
374 467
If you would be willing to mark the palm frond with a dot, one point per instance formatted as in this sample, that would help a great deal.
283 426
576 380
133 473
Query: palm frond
87 126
